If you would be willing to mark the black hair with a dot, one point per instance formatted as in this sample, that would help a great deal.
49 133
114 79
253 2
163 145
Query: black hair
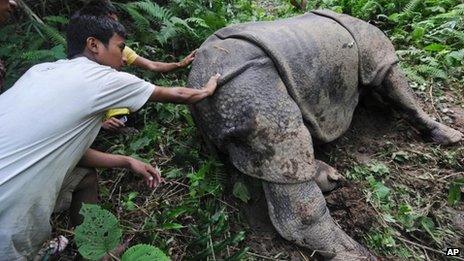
97 8
84 26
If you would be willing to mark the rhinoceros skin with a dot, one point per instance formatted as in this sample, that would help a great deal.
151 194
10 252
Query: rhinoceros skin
288 83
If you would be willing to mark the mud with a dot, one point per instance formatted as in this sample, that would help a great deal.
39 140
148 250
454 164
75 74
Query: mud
350 209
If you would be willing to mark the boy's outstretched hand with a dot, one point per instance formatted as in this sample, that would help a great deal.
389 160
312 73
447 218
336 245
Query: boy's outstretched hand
188 59
212 83
151 175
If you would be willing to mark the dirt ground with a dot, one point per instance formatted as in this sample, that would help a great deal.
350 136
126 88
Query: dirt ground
373 131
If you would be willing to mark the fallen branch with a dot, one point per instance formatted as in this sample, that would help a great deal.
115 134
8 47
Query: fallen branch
425 247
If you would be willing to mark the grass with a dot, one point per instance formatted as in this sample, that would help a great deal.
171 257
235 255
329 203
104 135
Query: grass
412 188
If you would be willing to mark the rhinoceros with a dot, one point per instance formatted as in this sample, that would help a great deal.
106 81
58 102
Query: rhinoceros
286 84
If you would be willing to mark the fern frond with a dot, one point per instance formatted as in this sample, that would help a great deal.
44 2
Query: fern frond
177 21
37 55
413 76
53 34
167 32
139 20
411 6
154 11
456 55
198 21
459 35
56 19
431 71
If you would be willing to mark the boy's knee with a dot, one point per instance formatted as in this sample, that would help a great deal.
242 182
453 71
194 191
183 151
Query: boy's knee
90 180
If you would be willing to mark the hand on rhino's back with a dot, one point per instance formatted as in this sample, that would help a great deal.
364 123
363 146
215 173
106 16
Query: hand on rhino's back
320 58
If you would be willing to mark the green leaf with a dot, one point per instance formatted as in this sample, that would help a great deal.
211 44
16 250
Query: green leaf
59 52
381 190
142 252
98 234
173 173
379 168
454 193
435 47
429 226
241 191
418 33
175 226
388 218
140 143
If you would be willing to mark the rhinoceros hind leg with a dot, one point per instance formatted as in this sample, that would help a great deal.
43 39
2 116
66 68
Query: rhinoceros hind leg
299 213
397 91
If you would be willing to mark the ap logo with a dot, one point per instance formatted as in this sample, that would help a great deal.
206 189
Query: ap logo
453 252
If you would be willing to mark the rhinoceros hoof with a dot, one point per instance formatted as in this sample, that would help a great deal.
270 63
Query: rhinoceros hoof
327 178
445 135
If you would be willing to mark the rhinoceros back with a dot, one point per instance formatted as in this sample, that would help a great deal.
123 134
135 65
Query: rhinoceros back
316 58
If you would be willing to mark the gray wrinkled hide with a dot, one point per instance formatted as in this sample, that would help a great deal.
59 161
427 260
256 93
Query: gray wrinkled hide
283 82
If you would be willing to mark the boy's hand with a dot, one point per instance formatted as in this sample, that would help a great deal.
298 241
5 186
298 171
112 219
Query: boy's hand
151 175
211 85
112 124
188 59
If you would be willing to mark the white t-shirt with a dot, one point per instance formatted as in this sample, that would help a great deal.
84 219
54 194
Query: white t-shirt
48 119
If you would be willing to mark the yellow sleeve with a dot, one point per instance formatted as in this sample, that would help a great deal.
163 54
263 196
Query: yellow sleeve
129 55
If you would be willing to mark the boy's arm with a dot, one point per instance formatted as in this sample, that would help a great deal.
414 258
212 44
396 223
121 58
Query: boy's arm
163 67
184 95
97 159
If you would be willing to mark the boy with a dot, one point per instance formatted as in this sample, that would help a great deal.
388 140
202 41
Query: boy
130 57
60 106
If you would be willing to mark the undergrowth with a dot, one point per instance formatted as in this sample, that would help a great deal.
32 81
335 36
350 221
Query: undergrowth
188 217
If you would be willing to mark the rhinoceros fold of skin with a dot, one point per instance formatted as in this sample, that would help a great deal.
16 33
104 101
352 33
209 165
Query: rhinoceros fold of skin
284 84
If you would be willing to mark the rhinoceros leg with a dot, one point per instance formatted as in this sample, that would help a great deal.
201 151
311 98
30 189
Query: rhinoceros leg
397 91
299 213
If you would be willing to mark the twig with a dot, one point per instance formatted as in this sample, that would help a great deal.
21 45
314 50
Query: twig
65 230
227 204
211 243
264 257
118 179
451 175
426 256
303 256
113 256
425 247
433 103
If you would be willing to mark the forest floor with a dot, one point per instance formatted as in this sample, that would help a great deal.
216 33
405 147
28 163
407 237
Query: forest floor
392 212
397 197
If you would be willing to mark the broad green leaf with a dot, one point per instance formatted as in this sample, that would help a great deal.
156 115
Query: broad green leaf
142 252
429 226
380 190
388 218
98 234
379 168
174 226
434 47
241 191
454 193
140 143
59 52
418 33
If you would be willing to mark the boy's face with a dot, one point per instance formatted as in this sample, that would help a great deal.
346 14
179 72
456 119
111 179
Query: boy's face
6 9
111 55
